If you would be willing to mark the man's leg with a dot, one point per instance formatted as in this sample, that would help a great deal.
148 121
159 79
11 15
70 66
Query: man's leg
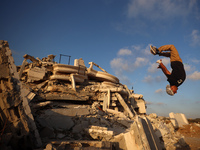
164 69
173 54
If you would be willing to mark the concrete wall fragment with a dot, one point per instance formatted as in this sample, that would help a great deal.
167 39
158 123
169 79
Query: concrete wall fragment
14 109
178 119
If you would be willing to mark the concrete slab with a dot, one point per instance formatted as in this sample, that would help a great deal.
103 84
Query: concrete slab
178 119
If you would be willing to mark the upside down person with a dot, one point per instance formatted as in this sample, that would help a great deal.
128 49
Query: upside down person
178 75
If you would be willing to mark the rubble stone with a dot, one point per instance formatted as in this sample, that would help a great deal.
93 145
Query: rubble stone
36 74
15 107
56 121
178 119
97 132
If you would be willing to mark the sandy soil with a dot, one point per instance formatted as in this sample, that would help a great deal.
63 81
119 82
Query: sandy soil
191 135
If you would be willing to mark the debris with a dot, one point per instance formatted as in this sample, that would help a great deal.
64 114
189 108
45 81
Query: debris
58 106
178 119
100 133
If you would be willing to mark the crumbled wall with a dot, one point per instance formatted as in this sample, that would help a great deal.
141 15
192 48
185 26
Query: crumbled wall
16 132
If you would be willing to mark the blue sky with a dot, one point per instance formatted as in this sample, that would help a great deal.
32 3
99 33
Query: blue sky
115 34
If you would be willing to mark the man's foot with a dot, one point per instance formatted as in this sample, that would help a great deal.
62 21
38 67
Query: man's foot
154 50
159 61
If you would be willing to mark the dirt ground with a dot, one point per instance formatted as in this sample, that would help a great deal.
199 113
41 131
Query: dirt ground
191 135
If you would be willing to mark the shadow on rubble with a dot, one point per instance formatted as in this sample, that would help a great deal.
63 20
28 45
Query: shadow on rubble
67 125
180 144
14 134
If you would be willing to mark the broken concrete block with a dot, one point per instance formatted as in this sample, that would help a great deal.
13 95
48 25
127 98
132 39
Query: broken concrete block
97 132
70 111
79 62
73 81
141 105
144 131
124 122
43 84
36 74
42 104
51 58
27 94
49 147
105 103
129 141
178 119
162 130
153 115
27 109
126 108
117 113
137 96
56 119
22 67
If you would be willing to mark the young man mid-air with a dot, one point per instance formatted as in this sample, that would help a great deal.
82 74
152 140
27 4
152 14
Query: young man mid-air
178 75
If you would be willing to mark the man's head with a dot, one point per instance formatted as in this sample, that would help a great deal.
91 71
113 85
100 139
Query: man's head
171 90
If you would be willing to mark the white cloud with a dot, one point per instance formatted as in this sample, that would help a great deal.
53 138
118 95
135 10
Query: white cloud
124 52
166 61
159 91
160 104
149 103
153 9
120 64
140 61
146 51
194 76
148 79
196 61
126 62
188 67
160 78
154 103
195 38
136 47
153 68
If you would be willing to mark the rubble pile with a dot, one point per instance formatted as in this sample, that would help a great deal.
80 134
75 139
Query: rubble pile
16 120
166 132
59 106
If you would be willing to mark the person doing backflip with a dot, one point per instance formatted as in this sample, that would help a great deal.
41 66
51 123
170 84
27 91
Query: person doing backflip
178 75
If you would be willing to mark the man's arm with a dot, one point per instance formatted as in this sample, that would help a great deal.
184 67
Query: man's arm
166 54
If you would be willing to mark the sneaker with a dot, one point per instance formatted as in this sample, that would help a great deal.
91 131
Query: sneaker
154 50
159 61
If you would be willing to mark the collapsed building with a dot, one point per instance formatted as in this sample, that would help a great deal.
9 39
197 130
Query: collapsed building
49 105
